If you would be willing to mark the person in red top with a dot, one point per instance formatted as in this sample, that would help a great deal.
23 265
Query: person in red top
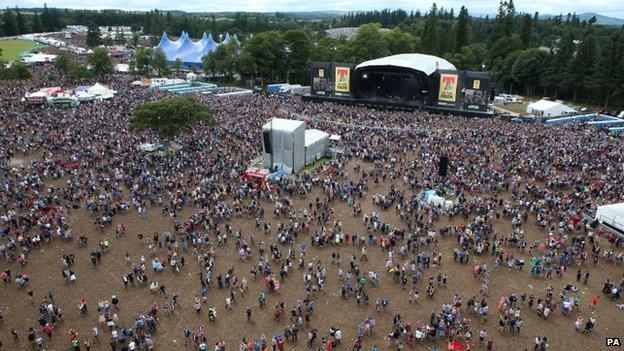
329 346
594 300
72 334
48 329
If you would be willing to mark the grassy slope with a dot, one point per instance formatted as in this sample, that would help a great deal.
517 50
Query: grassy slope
11 49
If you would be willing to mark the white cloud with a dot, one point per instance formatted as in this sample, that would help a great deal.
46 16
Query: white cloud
614 8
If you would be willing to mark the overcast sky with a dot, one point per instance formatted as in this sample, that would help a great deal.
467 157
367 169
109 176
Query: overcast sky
613 8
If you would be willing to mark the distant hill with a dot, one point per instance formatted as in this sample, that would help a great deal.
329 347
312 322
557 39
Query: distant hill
612 21
316 14
600 19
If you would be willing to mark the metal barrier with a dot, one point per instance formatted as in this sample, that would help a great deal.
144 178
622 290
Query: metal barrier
605 124
616 130
580 118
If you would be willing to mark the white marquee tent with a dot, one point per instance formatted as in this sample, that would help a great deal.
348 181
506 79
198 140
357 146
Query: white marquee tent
546 108
100 91
38 58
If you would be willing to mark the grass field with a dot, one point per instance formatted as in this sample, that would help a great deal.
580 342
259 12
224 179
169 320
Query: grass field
11 49
518 108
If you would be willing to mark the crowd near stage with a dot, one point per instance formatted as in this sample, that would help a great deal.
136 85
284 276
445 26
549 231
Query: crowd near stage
396 105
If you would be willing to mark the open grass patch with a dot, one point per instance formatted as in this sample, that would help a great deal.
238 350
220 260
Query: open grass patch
517 108
11 49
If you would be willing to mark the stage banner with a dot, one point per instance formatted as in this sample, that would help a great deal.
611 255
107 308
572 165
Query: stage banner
342 82
448 87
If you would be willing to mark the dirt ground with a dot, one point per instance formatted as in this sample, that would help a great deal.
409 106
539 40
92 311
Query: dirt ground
100 282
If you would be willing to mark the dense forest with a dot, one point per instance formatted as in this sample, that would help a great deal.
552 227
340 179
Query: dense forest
561 56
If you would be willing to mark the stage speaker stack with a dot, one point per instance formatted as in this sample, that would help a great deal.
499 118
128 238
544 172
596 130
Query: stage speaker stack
443 166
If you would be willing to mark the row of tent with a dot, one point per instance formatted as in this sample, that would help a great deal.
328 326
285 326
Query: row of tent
57 96
188 51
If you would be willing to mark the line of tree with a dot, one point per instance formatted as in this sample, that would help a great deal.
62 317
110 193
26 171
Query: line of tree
16 22
581 64
16 70
98 64
560 56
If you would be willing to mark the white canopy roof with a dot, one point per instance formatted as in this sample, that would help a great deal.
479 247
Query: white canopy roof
83 95
420 62
287 125
101 91
38 58
122 67
314 135
546 105
38 94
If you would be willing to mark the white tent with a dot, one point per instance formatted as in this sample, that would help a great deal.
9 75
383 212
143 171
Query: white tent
546 108
122 68
38 94
612 215
431 197
284 144
101 91
38 58
148 147
316 143
83 95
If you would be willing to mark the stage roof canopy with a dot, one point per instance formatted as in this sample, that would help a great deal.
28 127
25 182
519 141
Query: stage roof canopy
420 62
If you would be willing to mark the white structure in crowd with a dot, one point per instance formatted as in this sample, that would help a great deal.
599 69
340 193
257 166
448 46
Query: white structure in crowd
80 93
156 82
287 145
99 91
38 59
122 68
316 143
284 145
546 108
612 215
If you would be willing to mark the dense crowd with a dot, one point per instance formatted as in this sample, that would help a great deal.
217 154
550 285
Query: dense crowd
554 175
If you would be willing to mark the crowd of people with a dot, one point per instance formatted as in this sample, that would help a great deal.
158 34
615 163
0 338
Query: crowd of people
500 172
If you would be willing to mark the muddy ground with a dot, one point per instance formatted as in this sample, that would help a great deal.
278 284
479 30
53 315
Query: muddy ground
100 282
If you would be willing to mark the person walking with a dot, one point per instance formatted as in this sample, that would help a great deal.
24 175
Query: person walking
115 301
248 313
